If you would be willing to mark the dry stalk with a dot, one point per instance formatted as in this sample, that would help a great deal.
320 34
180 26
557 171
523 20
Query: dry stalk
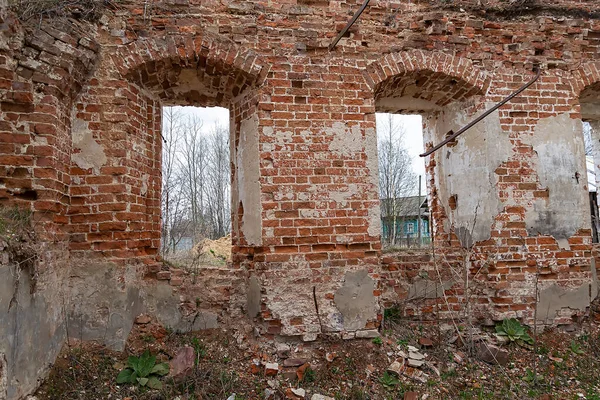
463 275
535 342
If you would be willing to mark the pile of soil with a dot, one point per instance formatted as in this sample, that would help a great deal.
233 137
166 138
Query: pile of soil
219 248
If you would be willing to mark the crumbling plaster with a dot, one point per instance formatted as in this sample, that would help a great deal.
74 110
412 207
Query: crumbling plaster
88 152
353 142
253 297
370 150
467 170
558 143
355 300
553 298
105 299
352 306
287 286
32 327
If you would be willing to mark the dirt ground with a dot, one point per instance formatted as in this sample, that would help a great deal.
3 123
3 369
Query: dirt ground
231 364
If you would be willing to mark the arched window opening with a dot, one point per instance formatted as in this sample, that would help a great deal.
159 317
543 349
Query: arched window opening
196 181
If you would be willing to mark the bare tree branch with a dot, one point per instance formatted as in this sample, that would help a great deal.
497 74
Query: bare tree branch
397 180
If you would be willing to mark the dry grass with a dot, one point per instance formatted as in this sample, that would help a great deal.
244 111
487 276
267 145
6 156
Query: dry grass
35 10
17 235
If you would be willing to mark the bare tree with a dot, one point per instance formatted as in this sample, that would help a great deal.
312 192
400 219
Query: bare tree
196 180
396 177
173 207
218 186
193 165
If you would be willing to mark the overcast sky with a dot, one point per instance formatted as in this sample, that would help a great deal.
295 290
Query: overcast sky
413 138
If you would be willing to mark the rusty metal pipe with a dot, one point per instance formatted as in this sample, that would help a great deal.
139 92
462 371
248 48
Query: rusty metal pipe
348 25
482 116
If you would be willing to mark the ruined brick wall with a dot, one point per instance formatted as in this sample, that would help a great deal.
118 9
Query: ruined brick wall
41 73
80 121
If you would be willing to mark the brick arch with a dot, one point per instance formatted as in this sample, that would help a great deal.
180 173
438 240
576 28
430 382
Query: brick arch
440 78
587 89
586 76
223 69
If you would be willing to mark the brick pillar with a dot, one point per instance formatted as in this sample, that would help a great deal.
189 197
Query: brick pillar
463 177
246 195
116 173
510 197
316 150
483 173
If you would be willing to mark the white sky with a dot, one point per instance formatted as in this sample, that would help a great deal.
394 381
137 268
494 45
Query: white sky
413 138
208 115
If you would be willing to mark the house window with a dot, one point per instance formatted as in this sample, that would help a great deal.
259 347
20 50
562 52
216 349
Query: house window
410 228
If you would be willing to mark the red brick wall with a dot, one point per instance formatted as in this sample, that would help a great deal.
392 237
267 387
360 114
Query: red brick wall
316 134
41 73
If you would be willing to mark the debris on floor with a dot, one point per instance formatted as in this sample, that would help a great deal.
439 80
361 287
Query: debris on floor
409 361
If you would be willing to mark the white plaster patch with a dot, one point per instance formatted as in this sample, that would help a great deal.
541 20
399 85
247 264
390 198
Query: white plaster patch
355 300
374 228
342 197
285 137
560 165
91 154
347 142
248 175
343 239
310 213
144 188
268 131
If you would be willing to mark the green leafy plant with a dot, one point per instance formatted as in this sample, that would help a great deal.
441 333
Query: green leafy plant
143 371
543 349
377 341
389 381
514 331
592 394
576 348
529 375
309 375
